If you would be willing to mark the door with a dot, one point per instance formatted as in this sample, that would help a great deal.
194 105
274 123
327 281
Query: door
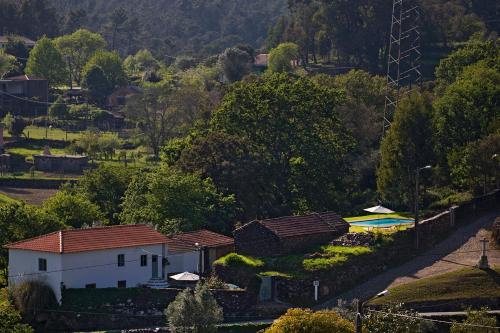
154 266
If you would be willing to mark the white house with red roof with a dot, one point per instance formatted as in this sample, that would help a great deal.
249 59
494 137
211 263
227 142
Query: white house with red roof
104 257
116 256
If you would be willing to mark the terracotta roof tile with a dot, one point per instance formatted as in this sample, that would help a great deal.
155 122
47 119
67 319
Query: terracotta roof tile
291 226
92 239
184 242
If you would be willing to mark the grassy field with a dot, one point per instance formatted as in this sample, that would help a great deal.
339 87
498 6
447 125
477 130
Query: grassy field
462 284
4 198
36 132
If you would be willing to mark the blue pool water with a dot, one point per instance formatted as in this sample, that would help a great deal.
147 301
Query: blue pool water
387 222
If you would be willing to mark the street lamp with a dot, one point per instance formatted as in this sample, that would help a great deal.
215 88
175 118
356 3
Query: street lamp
358 322
417 176
494 157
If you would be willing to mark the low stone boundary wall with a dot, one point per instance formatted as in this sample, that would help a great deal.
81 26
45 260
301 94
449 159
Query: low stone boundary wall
496 230
113 309
359 269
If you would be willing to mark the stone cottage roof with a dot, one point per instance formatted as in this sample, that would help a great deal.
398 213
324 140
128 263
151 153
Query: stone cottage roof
315 223
92 239
185 241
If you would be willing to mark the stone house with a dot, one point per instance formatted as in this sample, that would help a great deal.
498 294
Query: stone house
24 95
289 234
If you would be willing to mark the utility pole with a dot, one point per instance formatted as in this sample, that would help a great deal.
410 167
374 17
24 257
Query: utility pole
417 190
359 316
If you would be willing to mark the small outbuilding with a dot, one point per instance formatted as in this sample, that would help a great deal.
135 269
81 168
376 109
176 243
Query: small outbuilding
196 250
284 235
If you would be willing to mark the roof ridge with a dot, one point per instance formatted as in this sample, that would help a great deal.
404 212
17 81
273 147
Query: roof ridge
105 227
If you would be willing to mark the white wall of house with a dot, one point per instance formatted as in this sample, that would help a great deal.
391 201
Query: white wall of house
23 265
76 270
182 262
101 267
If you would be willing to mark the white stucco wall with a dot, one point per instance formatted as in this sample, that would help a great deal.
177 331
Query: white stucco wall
101 267
183 262
23 265
76 270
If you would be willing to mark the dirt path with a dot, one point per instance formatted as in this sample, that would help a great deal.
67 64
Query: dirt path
460 249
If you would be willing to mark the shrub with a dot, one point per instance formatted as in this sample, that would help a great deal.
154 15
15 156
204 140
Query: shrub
389 320
196 312
31 297
237 269
305 320
10 319
478 317
15 125
234 259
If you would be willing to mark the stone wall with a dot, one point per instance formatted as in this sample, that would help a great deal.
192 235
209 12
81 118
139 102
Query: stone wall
359 269
112 309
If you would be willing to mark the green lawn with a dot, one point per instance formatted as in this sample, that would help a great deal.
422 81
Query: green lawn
36 132
462 284
29 152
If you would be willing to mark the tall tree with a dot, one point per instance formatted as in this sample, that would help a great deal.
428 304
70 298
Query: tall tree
175 202
77 48
74 20
105 187
235 63
97 84
408 145
112 66
46 61
154 116
74 210
117 21
7 63
294 124
37 18
282 56
15 46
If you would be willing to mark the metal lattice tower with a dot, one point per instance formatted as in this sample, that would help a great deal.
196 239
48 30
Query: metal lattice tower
403 63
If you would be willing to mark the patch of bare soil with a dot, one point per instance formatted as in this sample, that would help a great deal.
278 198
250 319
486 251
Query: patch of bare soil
32 196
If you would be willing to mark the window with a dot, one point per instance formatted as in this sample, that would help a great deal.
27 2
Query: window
90 286
121 260
42 264
144 260
122 284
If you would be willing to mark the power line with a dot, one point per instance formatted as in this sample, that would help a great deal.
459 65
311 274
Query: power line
30 100
433 320
80 267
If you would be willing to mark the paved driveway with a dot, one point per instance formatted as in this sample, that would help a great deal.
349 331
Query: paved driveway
461 249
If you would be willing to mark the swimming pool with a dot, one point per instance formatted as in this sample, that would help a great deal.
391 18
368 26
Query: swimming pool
381 223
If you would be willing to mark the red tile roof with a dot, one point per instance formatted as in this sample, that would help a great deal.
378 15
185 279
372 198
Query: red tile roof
185 242
92 239
316 223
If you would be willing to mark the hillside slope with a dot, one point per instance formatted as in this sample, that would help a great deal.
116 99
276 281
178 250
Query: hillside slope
180 26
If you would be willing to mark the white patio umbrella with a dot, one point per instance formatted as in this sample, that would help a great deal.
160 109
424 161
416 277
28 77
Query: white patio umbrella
186 276
379 210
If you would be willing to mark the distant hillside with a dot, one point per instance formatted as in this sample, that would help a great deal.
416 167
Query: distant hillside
175 26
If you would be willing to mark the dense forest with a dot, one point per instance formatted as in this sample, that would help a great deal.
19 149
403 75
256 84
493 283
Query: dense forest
175 27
